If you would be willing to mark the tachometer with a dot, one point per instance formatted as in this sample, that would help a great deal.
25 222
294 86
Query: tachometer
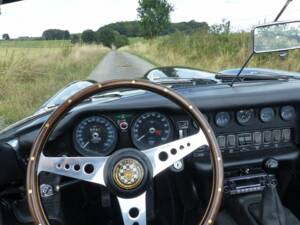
151 129
95 135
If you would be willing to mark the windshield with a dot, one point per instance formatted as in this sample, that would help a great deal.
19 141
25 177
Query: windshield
47 44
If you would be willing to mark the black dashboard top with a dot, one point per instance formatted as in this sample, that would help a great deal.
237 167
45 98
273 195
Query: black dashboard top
206 98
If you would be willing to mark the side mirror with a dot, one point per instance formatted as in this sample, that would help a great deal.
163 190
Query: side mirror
276 37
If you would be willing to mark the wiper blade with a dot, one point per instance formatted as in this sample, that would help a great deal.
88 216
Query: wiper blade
250 77
179 80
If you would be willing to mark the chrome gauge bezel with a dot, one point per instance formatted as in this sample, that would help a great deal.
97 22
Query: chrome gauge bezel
103 152
219 119
270 117
137 143
250 113
284 109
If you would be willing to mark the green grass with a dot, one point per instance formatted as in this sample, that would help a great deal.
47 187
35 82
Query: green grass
208 51
29 75
35 44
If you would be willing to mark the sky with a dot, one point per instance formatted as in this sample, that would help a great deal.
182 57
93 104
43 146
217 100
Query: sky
32 17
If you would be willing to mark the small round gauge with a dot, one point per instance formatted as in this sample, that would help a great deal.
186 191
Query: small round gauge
95 135
267 115
151 129
244 116
222 119
288 113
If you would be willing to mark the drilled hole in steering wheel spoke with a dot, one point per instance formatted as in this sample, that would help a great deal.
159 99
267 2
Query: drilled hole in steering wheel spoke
134 212
173 151
89 168
163 156
77 167
67 166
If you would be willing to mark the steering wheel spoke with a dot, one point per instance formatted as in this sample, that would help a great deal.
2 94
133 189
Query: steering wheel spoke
89 169
163 156
133 210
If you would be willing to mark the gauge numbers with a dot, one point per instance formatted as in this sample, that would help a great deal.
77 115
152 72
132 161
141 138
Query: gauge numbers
151 129
95 135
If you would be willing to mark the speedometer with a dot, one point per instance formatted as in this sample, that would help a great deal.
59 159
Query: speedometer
95 135
151 129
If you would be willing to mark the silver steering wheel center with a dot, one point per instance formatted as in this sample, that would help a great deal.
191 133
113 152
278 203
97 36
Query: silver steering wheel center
128 173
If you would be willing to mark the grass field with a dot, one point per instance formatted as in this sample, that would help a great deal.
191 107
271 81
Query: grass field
31 72
35 44
208 51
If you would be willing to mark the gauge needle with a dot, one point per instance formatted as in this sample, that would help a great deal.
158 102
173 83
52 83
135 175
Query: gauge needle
140 138
86 145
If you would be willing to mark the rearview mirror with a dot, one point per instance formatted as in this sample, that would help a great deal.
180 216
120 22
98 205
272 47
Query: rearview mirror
276 37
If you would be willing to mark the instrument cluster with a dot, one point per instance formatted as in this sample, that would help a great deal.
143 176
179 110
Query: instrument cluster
100 134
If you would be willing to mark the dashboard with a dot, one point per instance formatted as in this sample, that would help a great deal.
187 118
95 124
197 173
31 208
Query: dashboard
237 131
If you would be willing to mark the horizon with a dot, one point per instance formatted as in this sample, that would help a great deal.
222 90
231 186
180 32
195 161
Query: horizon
242 15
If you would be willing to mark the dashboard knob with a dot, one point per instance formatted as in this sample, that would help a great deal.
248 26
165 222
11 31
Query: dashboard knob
123 125
271 165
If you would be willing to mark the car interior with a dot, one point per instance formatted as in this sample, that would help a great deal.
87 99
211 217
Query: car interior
222 152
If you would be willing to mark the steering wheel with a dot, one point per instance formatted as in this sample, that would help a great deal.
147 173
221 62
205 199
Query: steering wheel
127 172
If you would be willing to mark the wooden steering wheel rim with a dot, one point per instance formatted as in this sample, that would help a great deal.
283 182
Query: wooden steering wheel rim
33 191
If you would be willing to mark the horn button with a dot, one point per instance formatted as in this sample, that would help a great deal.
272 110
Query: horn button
128 172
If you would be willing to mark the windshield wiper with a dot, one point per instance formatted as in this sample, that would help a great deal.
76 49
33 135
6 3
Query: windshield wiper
250 77
182 81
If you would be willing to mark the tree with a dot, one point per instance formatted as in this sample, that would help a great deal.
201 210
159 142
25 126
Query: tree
127 28
120 41
154 16
106 36
88 37
111 38
223 28
5 37
75 38
56 34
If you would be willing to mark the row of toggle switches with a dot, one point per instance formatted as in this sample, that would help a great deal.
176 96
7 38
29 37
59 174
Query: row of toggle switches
256 138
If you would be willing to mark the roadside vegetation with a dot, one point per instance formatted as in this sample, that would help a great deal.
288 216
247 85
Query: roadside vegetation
31 72
35 44
209 51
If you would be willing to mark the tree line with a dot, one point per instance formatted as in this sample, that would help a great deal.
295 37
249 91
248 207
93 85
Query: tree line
117 34
154 20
